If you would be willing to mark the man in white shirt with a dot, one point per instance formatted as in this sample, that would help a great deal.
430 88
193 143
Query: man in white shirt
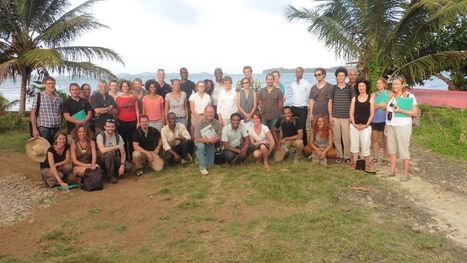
227 102
236 141
176 141
297 97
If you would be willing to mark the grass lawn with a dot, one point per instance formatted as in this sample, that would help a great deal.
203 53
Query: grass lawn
13 140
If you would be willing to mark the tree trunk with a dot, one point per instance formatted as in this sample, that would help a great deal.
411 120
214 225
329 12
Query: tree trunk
22 98
451 84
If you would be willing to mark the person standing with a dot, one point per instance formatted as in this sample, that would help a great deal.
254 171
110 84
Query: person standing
139 92
246 103
236 141
176 141
208 132
113 89
198 103
188 87
319 96
177 102
362 109
379 120
85 92
227 102
146 144
277 83
270 102
353 75
46 114
218 86
340 97
104 106
248 74
164 88
153 105
127 116
76 110
297 96
399 126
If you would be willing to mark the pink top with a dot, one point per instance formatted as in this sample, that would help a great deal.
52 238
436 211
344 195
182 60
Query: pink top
152 107
126 108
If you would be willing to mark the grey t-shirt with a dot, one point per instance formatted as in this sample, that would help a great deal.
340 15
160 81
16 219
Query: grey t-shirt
320 97
110 140
177 106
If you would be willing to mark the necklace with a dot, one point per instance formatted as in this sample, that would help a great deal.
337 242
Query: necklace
83 149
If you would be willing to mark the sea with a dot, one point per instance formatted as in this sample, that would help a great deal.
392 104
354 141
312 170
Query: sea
11 89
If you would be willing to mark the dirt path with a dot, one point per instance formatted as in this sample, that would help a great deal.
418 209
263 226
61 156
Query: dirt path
438 186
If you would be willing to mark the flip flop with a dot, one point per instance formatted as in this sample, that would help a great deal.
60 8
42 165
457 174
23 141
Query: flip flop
374 161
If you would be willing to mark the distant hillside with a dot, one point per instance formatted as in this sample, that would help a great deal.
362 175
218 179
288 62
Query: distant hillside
292 70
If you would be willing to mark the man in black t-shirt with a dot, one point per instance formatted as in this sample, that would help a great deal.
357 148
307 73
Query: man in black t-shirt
165 88
188 87
104 106
76 110
292 134
146 144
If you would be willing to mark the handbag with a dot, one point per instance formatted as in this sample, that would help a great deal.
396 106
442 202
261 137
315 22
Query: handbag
360 165
92 180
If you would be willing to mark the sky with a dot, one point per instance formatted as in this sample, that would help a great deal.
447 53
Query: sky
204 34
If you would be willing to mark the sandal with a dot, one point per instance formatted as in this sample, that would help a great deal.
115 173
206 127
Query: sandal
367 168
374 161
353 166
348 161
339 160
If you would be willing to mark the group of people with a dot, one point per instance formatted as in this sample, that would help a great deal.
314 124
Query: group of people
122 125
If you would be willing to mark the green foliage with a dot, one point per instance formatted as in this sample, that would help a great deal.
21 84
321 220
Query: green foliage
385 37
10 121
35 34
443 130
13 141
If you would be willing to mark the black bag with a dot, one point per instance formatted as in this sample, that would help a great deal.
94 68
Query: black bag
360 165
92 180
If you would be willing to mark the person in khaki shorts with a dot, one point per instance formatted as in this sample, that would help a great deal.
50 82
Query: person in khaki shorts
147 144
292 134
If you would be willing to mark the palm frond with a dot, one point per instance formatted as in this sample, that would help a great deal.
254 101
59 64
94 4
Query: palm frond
83 69
79 53
65 31
419 68
41 58
9 69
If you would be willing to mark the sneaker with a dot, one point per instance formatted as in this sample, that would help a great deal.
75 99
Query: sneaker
404 178
114 180
204 172
296 161
139 172
184 162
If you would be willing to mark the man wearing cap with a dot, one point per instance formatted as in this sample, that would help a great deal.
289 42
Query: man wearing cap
76 110
292 134
111 155
46 114
146 146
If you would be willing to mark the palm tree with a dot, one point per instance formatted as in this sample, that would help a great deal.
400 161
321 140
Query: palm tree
34 38
385 37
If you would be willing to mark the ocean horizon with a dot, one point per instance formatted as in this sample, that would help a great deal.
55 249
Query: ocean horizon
11 90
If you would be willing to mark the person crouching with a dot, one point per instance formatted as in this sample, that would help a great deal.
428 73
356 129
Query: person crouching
111 154
146 145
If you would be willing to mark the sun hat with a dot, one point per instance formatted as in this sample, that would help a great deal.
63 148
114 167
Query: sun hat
36 149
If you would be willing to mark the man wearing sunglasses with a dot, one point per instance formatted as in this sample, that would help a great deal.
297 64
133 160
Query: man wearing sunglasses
319 96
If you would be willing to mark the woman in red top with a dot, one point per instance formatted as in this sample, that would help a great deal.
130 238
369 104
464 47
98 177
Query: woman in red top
128 116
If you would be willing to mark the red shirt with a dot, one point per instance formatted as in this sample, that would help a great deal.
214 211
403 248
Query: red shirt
126 108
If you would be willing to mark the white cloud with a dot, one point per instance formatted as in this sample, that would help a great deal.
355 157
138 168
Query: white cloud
202 35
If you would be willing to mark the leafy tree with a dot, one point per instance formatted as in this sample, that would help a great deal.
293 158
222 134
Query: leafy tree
35 37
386 37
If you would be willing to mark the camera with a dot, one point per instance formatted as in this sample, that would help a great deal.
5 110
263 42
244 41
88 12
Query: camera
391 107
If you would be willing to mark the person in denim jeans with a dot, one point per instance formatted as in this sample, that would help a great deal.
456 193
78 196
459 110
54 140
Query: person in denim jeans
46 121
207 134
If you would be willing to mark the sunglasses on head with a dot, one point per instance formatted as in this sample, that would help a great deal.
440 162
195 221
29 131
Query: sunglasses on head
110 121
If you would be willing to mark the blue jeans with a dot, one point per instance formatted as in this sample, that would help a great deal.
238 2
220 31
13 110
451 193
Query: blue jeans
48 133
270 123
205 155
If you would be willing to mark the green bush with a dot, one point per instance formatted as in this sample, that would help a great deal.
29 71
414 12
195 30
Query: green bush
11 121
443 130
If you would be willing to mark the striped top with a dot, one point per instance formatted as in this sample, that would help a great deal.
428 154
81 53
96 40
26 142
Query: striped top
341 98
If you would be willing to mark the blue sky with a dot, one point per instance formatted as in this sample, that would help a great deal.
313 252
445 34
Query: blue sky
204 34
